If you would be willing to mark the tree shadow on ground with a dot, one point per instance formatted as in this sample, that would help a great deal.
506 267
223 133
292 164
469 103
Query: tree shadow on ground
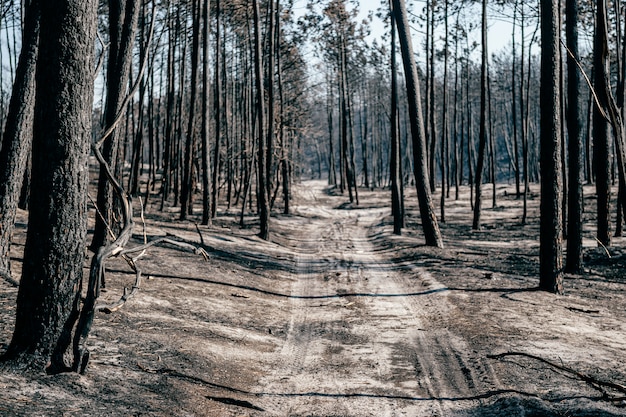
497 403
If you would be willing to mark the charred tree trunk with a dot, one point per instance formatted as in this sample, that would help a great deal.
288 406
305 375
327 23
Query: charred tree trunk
186 206
263 194
206 171
482 145
17 135
601 144
575 195
396 167
551 240
427 210
49 291
123 17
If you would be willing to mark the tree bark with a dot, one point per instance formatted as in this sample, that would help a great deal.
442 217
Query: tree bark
575 195
123 17
482 145
54 254
427 209
601 144
263 195
186 206
17 135
396 167
206 171
551 251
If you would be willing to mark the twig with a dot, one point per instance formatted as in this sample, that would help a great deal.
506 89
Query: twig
603 247
200 234
589 83
594 382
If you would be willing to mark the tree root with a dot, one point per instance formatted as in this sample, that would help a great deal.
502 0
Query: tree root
597 384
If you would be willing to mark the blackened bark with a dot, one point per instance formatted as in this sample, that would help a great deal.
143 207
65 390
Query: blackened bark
54 254
551 239
123 17
483 132
206 174
186 206
395 160
17 135
575 195
601 144
427 209
263 194
218 111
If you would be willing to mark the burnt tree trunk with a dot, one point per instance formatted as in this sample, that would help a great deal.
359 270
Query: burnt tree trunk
396 167
551 236
427 209
52 272
575 195
482 144
17 135
123 17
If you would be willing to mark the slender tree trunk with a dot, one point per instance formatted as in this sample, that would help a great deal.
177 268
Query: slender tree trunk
478 180
551 236
396 169
516 164
123 17
218 110
432 119
575 195
263 196
601 144
186 206
427 210
17 135
206 170
444 121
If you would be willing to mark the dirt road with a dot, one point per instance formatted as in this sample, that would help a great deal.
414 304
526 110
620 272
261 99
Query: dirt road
359 341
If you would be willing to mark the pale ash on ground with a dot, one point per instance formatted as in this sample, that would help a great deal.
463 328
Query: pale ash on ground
337 317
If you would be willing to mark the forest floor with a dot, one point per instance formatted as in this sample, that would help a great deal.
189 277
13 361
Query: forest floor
336 316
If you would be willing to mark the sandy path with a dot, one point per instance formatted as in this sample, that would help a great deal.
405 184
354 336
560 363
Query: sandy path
358 341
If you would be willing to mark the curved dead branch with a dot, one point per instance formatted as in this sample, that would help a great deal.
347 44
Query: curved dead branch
594 382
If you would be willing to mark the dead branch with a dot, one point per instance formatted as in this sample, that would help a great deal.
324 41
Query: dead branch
132 262
594 382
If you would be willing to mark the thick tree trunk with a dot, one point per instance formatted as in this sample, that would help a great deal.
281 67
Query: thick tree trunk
17 135
49 292
551 240
427 209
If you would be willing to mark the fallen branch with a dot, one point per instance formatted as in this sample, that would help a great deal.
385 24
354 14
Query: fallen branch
594 382
582 310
